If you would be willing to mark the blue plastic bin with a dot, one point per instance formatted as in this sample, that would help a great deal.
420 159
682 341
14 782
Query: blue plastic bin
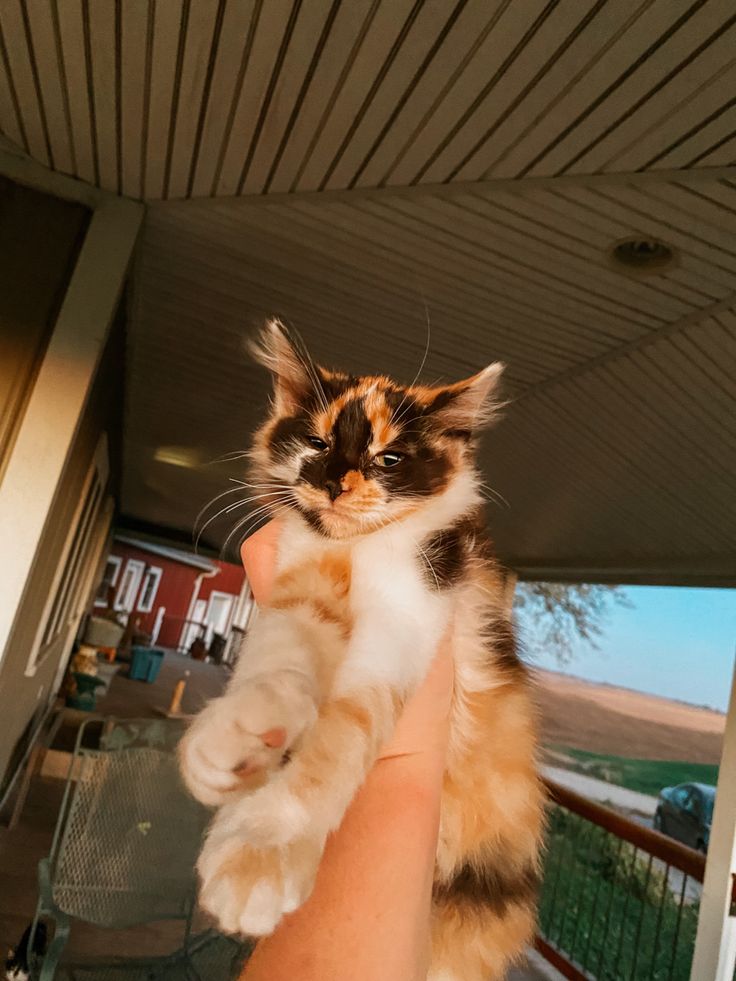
145 664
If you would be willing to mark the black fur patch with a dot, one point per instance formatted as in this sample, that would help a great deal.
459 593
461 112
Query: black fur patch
422 472
449 549
489 887
352 435
444 561
287 430
505 651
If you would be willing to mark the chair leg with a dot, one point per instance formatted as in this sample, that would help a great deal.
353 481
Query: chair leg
62 925
52 955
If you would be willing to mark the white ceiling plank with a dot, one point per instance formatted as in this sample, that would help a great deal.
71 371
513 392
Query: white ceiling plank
227 78
616 222
52 83
652 388
20 62
421 39
633 443
691 222
408 332
489 289
345 36
609 23
513 23
704 378
203 33
269 38
572 155
135 42
590 238
453 300
475 21
653 221
103 47
544 249
167 35
528 280
725 150
356 85
552 34
74 39
309 30
636 120
11 123
557 135
666 143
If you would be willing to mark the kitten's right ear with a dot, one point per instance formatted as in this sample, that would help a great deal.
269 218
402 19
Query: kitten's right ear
295 376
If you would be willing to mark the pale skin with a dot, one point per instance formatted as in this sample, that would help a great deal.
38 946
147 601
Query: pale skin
369 914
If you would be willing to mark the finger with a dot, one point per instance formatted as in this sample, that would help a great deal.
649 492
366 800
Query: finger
258 553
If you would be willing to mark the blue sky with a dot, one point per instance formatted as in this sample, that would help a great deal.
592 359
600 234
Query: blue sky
673 641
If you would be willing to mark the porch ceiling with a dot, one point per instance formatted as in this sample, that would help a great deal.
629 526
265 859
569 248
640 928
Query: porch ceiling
357 164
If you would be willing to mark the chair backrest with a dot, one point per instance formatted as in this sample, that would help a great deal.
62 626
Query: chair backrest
130 833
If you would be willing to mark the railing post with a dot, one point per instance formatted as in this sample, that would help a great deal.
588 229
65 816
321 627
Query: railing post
715 945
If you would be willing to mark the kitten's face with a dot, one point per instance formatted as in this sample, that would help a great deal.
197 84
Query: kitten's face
353 454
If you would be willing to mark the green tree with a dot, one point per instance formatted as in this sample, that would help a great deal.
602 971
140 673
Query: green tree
555 617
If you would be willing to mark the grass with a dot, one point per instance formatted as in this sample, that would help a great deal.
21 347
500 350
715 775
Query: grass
609 909
646 776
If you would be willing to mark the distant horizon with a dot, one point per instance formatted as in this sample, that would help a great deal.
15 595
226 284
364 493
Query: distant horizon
636 691
674 642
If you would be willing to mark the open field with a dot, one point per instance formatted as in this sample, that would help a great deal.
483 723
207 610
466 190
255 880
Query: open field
606 720
644 776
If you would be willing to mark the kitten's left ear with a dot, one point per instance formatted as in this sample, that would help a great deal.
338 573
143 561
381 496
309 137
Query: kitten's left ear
468 405
295 375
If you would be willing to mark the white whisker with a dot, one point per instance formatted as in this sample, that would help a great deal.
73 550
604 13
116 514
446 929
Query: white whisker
395 417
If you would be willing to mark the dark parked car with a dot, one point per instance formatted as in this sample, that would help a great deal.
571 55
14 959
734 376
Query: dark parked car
686 812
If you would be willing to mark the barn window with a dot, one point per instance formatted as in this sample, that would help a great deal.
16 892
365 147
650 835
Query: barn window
149 589
129 583
109 579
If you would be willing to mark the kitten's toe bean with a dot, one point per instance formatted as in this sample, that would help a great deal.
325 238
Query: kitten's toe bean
234 738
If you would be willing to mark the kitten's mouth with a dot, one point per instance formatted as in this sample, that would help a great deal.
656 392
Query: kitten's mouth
344 517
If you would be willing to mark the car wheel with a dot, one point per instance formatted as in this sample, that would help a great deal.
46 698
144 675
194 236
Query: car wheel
657 820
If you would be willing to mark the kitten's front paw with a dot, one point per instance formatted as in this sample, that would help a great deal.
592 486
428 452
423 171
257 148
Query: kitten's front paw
271 815
248 890
242 735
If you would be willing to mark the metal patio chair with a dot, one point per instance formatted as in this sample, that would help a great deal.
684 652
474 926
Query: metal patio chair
123 855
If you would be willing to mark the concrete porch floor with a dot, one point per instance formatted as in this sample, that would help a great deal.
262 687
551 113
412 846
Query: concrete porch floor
22 848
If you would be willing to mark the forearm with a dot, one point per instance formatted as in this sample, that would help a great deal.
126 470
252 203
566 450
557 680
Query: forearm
368 917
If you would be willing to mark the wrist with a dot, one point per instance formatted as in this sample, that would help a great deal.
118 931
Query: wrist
422 769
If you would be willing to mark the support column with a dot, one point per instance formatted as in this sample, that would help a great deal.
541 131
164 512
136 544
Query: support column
715 944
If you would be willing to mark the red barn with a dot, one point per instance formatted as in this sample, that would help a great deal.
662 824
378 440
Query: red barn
174 596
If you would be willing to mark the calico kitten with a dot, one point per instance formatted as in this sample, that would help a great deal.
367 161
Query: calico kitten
384 542
18 960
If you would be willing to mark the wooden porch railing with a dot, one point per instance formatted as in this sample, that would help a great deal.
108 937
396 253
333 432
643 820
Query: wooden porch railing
617 899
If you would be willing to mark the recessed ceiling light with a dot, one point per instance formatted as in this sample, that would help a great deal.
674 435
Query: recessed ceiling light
177 456
641 255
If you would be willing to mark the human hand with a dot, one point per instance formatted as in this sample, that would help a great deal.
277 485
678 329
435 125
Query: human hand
424 722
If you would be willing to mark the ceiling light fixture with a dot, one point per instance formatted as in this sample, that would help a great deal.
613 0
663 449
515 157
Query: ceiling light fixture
177 456
642 256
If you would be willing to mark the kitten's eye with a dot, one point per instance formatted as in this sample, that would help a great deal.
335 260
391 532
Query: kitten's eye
388 459
317 443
